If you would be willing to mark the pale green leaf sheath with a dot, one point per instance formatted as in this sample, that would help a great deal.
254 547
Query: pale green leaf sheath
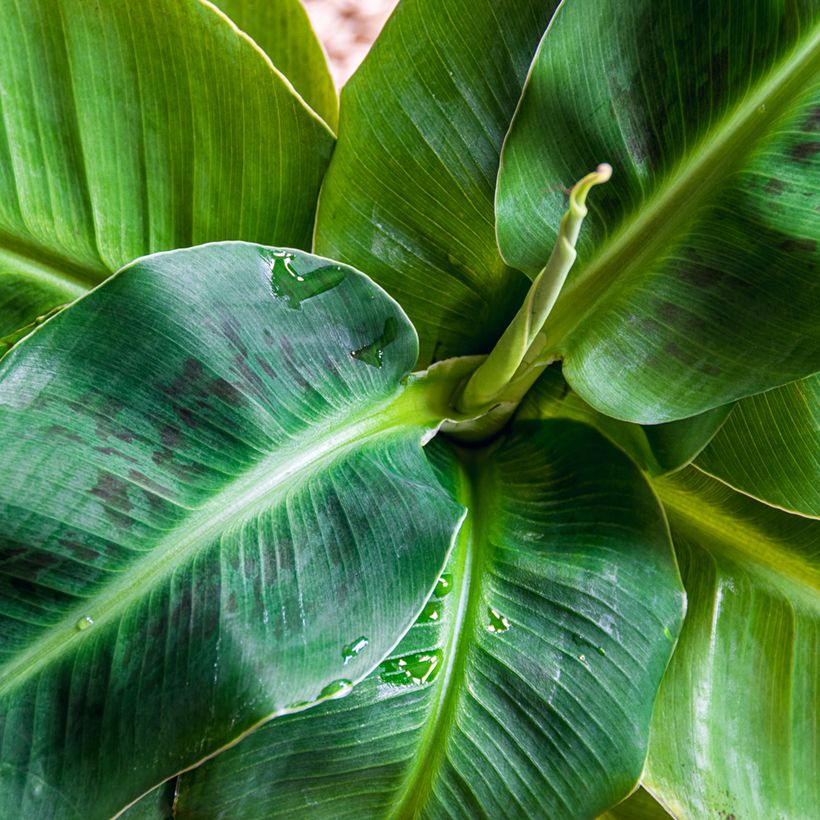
770 448
697 275
200 511
129 128
735 727
525 688
281 28
409 194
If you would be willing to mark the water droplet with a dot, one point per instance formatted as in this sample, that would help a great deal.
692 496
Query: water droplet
444 586
293 287
667 634
498 623
300 704
265 616
373 354
582 658
353 648
431 613
337 689
412 670
762 108
601 651
85 622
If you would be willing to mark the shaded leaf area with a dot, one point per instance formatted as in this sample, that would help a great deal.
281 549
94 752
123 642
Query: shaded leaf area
281 28
409 193
638 806
695 254
199 513
658 448
524 689
735 725
133 128
770 448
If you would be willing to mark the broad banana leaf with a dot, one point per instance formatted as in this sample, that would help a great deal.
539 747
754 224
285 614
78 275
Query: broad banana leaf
525 688
735 726
658 449
214 485
697 279
129 128
770 448
638 806
281 28
409 193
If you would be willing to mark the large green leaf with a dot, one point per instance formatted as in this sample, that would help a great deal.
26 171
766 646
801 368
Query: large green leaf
129 128
638 806
283 31
409 193
770 447
525 689
200 512
697 275
735 726
658 449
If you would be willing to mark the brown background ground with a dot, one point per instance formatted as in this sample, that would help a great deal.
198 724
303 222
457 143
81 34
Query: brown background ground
346 29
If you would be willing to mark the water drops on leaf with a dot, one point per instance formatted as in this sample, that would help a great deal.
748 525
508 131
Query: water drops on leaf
85 622
373 353
444 586
293 287
337 689
412 670
431 613
497 621
353 648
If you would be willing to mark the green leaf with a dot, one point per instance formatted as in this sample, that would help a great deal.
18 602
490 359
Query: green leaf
526 686
638 806
734 731
658 449
135 127
696 282
409 193
770 448
200 512
281 28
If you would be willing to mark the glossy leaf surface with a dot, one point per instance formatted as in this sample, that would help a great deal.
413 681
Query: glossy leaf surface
697 275
735 725
525 688
409 193
130 128
281 28
658 449
200 512
770 447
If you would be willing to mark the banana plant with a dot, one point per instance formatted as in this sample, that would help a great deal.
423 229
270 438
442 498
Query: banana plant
451 449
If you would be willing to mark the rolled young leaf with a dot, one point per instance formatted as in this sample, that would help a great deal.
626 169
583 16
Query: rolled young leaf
735 725
213 482
281 28
409 193
526 686
770 448
696 281
130 128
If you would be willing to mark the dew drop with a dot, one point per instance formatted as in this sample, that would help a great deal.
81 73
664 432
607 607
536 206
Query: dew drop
353 648
667 634
294 287
444 586
412 670
373 353
85 622
498 623
337 689
431 613
762 108
582 658
601 651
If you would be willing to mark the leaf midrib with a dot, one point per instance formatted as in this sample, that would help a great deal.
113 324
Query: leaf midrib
259 485
718 155
741 541
469 570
